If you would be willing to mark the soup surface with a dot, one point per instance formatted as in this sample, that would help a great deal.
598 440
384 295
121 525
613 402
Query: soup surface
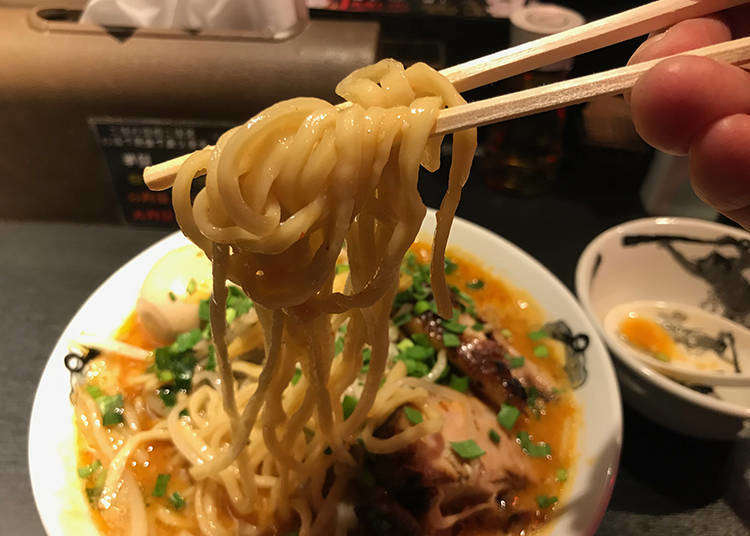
499 464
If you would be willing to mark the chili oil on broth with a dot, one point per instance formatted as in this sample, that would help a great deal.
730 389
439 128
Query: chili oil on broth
504 306
500 305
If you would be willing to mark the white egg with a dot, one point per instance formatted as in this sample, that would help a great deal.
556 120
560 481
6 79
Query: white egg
168 301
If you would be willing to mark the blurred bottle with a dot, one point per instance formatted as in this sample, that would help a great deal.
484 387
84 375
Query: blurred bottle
522 156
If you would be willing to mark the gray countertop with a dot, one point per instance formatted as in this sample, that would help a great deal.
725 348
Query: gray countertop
668 484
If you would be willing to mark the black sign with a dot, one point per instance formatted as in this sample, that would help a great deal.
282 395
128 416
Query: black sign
130 145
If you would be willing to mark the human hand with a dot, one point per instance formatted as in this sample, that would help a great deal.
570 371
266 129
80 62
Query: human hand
700 107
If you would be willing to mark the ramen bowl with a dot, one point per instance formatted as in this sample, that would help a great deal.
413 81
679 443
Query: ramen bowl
687 264
52 454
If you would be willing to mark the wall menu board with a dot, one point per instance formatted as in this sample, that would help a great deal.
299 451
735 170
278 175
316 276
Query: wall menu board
128 145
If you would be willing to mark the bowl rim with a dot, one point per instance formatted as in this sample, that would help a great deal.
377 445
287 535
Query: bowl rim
582 281
41 441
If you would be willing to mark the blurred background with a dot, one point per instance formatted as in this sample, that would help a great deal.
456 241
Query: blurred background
100 100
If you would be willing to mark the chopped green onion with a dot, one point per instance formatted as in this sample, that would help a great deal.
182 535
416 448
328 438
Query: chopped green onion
328 451
415 368
451 340
544 501
338 345
176 500
541 351
348 405
204 310
297 375
94 391
561 475
450 266
459 383
454 326
421 339
420 353
172 296
538 335
516 362
341 268
111 408
507 416
478 327
468 450
160 488
165 375
402 319
404 344
231 314
494 436
421 307
414 415
535 450
184 413
366 355
505 332
88 470
532 393
185 341
192 286
211 362
475 284
168 395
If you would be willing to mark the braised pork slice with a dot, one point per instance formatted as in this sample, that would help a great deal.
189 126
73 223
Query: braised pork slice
436 485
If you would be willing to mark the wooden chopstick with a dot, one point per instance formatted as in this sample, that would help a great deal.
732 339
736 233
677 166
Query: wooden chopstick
516 60
592 36
574 91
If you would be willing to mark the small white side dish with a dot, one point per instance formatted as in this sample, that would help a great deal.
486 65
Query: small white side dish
682 261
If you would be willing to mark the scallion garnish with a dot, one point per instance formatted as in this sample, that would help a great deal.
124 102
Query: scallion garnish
450 266
211 362
545 501
347 405
421 339
476 284
177 501
402 319
516 362
468 450
88 470
454 327
450 340
172 296
404 344
535 450
505 332
414 415
459 383
541 351
422 306
494 436
538 335
111 408
341 268
478 327
338 345
561 475
160 488
192 286
296 376
507 416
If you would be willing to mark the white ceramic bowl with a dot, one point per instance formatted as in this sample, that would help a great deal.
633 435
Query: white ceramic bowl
51 436
610 273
